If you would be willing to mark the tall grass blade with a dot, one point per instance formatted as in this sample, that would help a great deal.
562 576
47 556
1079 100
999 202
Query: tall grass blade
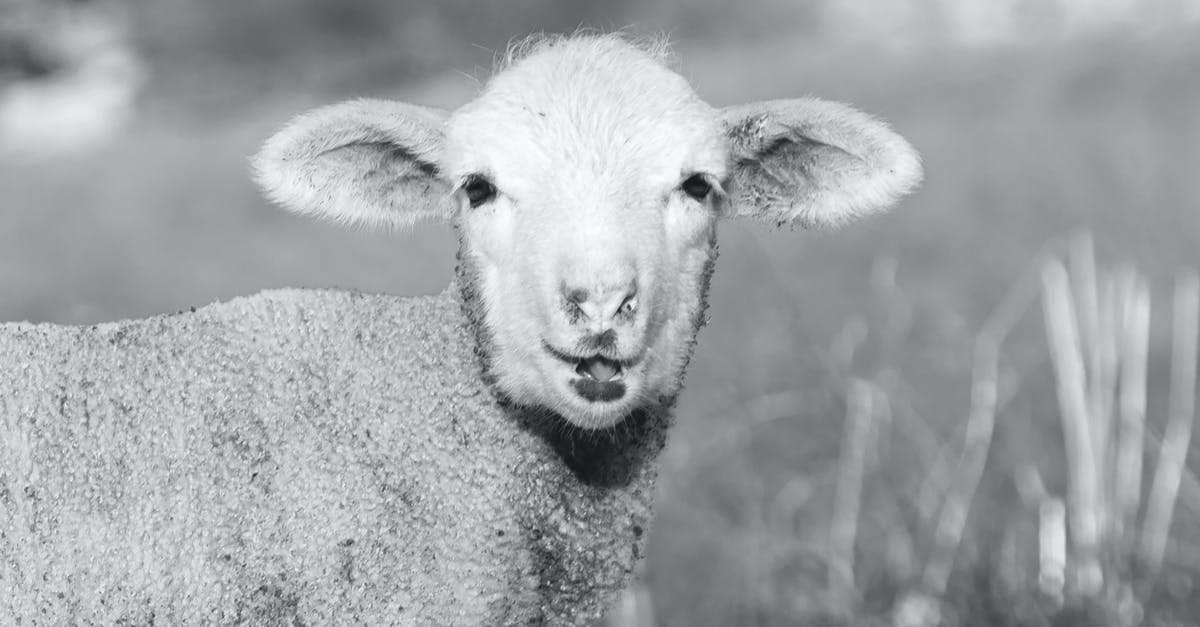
1102 388
848 498
1067 357
1135 341
1189 483
1052 548
1164 492
980 428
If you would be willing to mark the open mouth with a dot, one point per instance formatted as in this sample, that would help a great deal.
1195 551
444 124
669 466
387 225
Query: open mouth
600 379
600 369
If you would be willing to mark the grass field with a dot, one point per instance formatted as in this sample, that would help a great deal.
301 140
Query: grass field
1020 147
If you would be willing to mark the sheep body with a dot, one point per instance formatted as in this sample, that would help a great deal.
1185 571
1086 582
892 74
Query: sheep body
295 457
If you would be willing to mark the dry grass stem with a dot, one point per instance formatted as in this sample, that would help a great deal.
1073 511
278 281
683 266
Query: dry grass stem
1094 326
1066 355
980 428
1135 341
1081 253
1102 390
1189 483
1052 548
848 496
985 375
1164 491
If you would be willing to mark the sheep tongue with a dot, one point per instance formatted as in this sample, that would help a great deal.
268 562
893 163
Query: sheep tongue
600 369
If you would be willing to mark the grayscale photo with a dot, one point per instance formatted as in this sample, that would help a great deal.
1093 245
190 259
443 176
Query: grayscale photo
845 313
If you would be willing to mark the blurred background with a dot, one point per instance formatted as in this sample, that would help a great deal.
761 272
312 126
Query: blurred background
836 457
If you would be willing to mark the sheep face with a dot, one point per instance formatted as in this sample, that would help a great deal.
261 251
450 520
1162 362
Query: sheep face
586 181
588 189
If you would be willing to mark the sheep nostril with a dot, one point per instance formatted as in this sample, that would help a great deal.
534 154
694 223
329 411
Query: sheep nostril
605 303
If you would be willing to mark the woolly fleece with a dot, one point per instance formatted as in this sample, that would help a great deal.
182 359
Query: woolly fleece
301 457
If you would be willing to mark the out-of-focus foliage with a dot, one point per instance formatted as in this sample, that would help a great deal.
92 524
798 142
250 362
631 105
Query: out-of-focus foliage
272 41
207 49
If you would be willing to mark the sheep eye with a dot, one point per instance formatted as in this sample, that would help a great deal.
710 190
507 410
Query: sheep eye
696 186
479 190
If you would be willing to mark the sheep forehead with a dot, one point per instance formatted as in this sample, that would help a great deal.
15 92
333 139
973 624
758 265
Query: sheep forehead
597 104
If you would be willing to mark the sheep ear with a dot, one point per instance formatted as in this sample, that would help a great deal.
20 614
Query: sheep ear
367 162
814 163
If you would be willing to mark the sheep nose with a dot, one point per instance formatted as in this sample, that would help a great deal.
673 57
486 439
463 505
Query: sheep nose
611 301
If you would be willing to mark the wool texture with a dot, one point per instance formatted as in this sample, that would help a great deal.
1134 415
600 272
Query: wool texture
302 457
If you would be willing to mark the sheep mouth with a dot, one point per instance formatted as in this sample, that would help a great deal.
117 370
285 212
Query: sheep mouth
598 379
600 369
599 366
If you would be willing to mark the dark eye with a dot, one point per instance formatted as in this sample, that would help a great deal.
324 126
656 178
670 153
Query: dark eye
696 187
479 190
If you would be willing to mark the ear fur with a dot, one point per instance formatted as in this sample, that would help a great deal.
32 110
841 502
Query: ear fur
369 162
814 163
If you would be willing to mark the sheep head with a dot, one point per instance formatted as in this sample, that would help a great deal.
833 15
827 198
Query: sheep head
586 182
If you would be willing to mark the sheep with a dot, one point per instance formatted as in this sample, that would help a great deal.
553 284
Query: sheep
483 456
